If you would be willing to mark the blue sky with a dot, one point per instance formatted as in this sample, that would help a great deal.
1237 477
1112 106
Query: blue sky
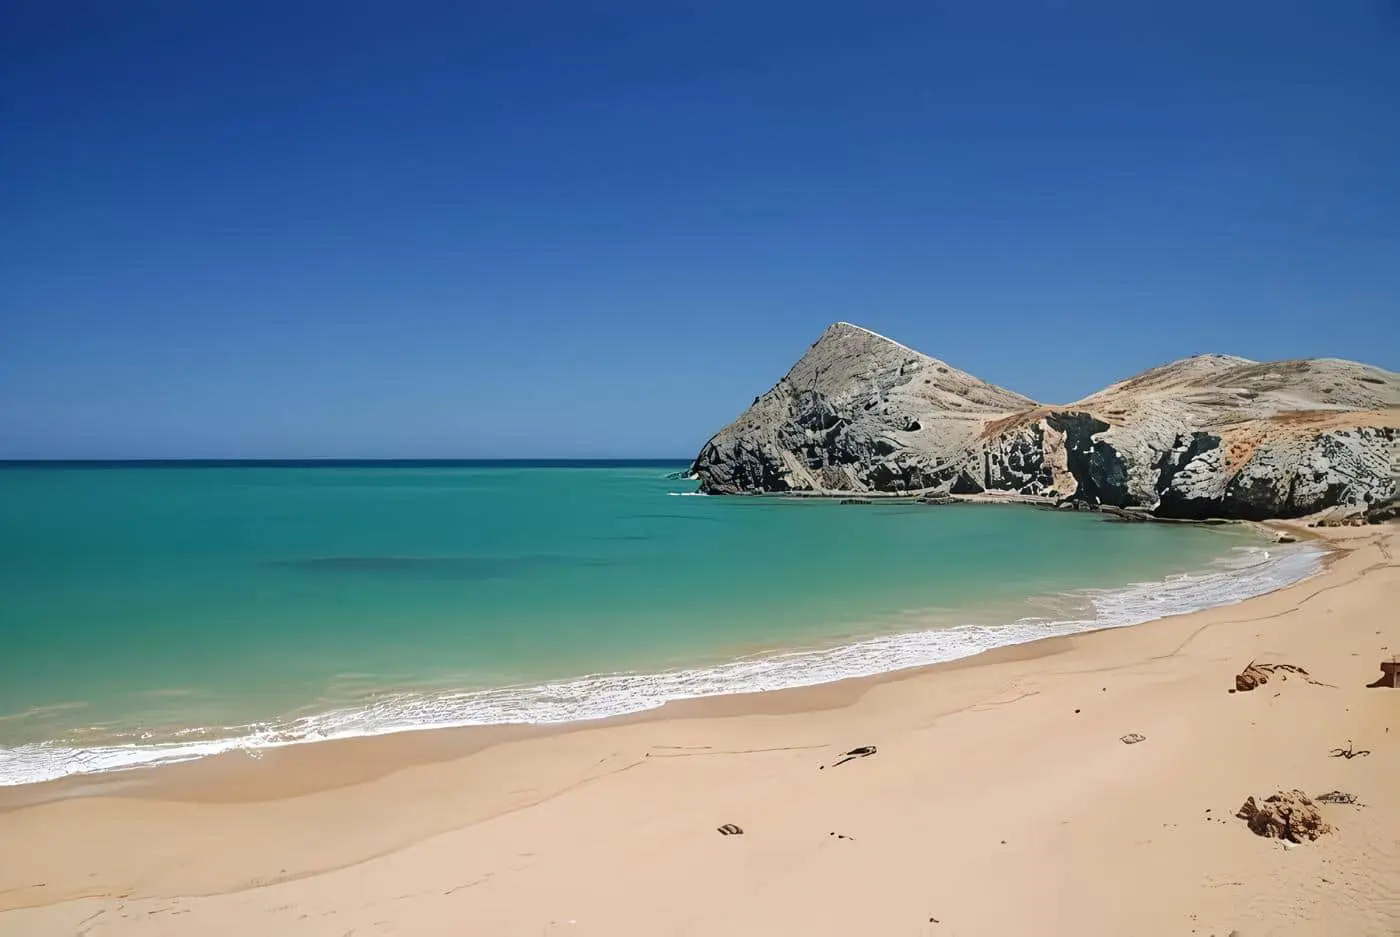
430 229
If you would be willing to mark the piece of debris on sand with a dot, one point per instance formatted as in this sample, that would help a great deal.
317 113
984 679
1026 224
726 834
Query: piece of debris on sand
1132 738
1257 674
1337 797
864 751
1349 752
730 829
1390 675
1287 815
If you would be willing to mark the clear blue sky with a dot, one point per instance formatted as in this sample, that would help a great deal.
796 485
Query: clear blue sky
349 229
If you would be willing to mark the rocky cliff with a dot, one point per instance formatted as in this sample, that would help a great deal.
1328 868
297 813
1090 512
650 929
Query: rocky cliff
1210 436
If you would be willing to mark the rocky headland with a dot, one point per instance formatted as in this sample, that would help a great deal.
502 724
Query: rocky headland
1208 436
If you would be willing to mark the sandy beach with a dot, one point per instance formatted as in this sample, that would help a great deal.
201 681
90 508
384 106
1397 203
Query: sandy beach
1000 801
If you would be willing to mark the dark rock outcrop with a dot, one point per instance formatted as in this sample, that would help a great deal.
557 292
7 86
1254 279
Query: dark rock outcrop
1210 436
1388 510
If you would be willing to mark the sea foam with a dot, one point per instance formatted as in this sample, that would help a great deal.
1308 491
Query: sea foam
1249 572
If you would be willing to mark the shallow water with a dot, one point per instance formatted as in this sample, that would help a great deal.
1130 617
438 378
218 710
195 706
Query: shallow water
161 613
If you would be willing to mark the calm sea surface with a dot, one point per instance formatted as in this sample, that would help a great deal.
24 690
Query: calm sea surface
161 613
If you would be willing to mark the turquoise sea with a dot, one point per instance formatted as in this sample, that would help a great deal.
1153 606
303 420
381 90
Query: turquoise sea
157 613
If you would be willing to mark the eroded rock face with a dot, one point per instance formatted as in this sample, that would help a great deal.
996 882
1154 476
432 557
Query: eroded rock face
859 412
1210 436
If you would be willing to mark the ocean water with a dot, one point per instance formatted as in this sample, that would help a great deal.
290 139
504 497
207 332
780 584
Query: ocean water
154 614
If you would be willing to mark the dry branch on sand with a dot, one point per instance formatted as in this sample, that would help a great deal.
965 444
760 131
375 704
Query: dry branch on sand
1349 752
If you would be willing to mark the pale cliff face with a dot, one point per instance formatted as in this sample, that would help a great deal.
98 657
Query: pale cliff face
1209 435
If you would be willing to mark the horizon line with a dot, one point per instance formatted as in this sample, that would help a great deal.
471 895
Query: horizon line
343 461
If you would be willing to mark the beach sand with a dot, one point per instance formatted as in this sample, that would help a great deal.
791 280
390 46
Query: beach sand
1000 801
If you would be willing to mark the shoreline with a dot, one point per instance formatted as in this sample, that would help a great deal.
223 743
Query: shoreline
806 666
999 775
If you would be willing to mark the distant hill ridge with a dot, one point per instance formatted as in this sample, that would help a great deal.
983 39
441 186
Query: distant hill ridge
1207 436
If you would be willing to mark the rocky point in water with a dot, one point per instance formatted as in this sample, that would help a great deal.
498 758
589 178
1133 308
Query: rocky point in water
1209 436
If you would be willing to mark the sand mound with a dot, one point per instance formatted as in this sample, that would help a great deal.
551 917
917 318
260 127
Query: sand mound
1289 815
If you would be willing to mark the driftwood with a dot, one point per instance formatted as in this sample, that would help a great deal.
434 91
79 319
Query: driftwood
1257 674
1349 752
